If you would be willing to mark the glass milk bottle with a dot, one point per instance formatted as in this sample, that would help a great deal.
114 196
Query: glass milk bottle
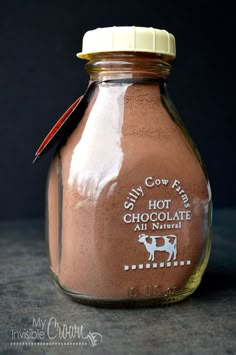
128 199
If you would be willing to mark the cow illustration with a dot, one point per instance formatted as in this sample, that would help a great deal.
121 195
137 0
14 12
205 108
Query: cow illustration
165 243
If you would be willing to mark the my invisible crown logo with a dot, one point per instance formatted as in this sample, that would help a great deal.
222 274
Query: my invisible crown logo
51 332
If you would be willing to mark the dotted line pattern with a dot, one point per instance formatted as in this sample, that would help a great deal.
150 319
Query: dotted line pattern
48 344
156 265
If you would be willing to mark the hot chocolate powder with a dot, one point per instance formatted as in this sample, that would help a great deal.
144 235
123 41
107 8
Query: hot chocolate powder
125 137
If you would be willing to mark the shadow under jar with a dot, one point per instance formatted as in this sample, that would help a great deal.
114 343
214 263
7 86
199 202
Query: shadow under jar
128 199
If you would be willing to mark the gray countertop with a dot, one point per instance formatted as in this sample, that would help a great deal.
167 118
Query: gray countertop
202 324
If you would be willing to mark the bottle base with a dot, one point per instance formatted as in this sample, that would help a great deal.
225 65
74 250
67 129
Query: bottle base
175 297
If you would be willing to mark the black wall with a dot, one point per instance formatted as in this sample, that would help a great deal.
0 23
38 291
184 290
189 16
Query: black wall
40 78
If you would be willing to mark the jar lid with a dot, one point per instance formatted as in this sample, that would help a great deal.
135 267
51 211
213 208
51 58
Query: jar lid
127 39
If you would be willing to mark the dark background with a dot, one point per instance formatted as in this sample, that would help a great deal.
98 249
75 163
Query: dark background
41 77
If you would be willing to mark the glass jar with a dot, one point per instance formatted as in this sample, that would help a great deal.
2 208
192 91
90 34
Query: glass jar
128 199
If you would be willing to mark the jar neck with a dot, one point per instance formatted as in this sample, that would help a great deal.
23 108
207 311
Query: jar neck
127 65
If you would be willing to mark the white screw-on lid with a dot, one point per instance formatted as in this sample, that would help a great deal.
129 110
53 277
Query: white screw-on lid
128 39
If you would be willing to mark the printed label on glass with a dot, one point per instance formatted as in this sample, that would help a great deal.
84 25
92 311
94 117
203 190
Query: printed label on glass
158 218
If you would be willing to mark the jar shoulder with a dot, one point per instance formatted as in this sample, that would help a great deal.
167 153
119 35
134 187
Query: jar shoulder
126 129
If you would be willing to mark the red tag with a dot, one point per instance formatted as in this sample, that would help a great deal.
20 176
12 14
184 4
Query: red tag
56 128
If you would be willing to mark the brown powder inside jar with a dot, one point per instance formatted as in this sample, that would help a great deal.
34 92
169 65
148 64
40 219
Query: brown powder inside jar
126 137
